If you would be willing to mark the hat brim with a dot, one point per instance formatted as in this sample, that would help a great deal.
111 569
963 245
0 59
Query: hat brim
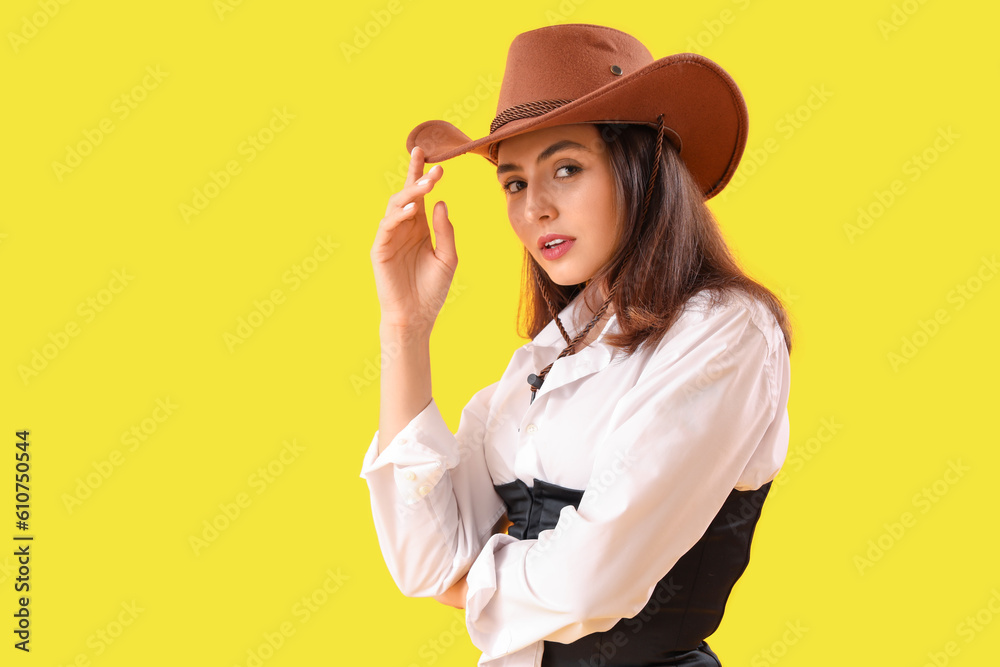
704 115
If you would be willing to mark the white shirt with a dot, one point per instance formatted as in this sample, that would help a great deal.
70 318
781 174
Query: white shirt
656 442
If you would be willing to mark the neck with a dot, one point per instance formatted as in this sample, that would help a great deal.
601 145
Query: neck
592 304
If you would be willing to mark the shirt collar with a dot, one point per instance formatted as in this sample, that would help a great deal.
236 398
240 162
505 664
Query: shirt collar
547 345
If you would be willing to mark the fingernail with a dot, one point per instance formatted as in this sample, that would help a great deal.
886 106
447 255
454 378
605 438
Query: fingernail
413 152
409 207
423 181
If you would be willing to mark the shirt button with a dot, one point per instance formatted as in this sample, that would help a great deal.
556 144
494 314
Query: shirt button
402 441
411 475
424 490
532 428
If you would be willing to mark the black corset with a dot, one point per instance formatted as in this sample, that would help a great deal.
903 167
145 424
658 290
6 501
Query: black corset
687 604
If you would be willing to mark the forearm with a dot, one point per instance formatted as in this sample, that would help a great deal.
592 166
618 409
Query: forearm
405 382
431 492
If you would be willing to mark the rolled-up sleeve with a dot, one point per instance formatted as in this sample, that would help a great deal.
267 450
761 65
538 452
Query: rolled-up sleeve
706 415
432 497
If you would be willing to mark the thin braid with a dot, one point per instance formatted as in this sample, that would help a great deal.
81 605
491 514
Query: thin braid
548 300
656 168
600 313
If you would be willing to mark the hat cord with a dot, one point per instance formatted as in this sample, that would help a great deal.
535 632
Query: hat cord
525 110
535 381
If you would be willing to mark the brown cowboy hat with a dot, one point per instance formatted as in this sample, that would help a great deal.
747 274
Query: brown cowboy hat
579 73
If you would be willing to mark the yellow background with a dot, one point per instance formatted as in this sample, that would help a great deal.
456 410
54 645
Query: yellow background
885 80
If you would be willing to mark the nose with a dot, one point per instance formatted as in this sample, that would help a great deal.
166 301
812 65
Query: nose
539 204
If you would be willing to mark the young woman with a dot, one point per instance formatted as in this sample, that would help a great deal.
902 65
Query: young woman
597 502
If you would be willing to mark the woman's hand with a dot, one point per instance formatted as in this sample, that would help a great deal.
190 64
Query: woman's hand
411 276
455 596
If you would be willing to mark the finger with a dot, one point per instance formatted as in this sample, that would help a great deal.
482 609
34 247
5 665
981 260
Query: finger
416 167
394 218
424 186
444 234
415 191
431 177
421 186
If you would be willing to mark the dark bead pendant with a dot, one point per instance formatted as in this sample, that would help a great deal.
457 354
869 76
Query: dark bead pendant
536 383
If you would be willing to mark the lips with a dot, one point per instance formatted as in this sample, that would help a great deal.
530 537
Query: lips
562 245
552 237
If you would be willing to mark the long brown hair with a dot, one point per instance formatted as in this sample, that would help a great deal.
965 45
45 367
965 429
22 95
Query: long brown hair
666 258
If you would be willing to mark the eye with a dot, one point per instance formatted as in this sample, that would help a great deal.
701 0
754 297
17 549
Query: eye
568 170
513 185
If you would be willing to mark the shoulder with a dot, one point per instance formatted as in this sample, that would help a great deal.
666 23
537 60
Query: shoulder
718 332
735 311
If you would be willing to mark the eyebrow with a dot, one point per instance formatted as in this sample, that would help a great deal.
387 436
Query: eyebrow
547 153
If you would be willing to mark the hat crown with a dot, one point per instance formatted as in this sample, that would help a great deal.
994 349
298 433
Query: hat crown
566 62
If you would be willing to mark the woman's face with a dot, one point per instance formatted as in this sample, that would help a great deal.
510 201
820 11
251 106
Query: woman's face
559 185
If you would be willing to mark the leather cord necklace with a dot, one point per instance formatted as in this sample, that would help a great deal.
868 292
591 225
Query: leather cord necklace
535 381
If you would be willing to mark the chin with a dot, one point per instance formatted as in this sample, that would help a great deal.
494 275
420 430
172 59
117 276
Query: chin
567 278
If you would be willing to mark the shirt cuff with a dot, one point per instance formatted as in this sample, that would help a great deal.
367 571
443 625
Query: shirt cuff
419 454
494 642
482 585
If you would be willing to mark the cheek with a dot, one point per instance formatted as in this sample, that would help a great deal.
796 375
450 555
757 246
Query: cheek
514 217
610 212
607 221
